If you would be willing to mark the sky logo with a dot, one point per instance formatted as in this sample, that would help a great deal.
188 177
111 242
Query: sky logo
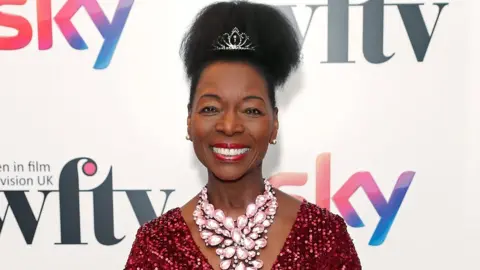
387 210
110 30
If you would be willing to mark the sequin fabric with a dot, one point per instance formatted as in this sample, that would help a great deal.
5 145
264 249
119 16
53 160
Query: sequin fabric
318 241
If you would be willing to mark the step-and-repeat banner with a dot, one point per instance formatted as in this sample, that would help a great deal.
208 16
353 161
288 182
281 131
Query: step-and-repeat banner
379 125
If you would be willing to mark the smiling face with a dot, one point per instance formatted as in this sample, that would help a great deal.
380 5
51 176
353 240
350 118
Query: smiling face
231 121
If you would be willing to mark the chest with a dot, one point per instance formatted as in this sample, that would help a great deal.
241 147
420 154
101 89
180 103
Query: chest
290 252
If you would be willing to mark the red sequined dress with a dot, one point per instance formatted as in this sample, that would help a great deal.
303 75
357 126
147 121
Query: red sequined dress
318 240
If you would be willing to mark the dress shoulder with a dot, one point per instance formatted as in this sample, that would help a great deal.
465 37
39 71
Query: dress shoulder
328 237
156 238
163 224
316 214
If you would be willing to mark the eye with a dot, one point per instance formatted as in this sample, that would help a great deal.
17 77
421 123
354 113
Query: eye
209 110
253 112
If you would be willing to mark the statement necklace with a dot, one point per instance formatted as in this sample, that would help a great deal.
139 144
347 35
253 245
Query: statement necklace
238 242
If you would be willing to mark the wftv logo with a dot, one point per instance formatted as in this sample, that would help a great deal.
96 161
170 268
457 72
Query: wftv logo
110 31
70 215
69 204
373 28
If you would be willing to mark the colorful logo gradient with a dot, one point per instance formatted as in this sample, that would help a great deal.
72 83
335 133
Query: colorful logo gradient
110 31
387 210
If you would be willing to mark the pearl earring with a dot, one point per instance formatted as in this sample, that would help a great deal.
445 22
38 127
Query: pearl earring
274 142
187 138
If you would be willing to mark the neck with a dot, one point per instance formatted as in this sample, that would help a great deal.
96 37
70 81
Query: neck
234 196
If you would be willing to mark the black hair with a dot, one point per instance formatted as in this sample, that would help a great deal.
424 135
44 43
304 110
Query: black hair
277 50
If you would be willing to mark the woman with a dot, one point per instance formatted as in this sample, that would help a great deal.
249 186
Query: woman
236 54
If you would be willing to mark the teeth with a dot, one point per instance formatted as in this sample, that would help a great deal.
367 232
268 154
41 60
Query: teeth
230 152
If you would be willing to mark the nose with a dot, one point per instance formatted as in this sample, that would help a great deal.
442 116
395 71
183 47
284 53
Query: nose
230 123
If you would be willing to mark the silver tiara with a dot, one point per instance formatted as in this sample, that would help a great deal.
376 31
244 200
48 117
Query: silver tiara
233 41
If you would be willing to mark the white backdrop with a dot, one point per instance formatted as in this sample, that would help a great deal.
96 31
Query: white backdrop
402 115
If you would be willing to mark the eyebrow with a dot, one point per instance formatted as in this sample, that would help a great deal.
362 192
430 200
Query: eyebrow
253 97
210 96
214 96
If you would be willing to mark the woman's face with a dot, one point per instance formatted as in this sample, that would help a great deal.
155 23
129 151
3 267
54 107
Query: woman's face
231 121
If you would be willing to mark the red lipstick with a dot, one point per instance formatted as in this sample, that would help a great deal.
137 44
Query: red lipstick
229 152
230 145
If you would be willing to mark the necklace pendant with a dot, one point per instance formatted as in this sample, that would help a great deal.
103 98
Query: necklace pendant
237 242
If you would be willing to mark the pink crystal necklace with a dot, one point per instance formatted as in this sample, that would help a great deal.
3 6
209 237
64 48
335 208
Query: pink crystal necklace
238 242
